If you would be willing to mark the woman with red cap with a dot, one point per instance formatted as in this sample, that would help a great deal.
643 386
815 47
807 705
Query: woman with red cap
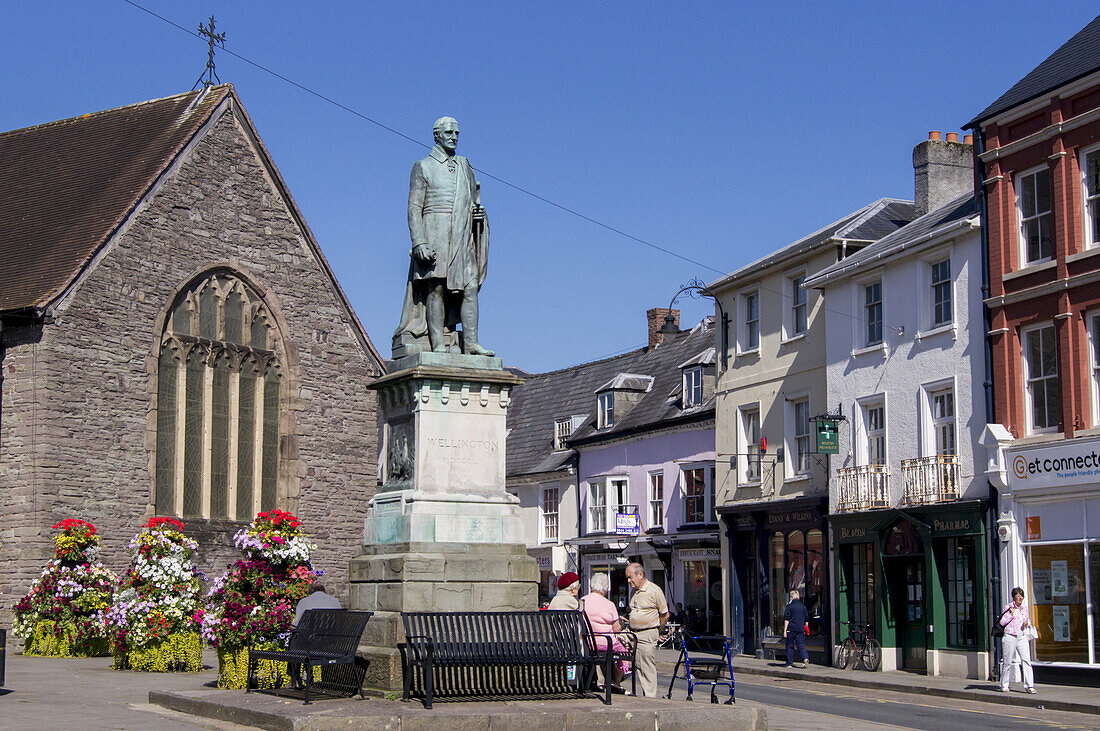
569 586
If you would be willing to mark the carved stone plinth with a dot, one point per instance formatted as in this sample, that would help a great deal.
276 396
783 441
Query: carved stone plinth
442 533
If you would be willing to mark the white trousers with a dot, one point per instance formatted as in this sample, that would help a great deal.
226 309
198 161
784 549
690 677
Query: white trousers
1011 646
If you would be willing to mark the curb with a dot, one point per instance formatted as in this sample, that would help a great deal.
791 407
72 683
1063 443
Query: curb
1009 699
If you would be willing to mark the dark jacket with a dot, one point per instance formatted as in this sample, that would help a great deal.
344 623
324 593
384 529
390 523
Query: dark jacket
797 615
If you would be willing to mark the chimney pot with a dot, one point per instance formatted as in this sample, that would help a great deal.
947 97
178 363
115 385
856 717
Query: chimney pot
952 137
968 139
934 135
656 319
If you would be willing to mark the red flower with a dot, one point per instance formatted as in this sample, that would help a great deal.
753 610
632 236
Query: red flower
158 522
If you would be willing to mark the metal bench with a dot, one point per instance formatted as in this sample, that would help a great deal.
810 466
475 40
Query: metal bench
470 654
323 638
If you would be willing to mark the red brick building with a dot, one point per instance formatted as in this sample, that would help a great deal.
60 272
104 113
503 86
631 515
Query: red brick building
1039 152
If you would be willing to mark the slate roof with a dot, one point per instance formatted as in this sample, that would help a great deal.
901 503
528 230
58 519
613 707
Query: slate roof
1076 58
869 223
926 228
66 186
546 397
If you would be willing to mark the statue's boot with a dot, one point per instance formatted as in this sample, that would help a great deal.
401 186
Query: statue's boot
468 313
473 347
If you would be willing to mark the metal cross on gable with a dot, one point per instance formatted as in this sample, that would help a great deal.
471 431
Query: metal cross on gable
209 76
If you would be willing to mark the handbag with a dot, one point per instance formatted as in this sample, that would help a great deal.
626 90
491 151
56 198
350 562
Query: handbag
998 629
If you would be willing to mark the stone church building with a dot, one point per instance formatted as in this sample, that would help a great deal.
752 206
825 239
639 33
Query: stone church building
172 342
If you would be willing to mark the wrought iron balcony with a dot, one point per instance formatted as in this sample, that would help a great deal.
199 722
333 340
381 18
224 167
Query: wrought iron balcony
865 487
930 480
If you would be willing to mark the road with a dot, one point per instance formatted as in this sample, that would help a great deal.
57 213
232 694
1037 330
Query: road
799 705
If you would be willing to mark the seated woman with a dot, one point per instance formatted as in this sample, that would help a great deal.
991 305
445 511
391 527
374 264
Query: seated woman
569 585
604 617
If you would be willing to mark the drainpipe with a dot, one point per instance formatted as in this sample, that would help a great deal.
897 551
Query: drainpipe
987 383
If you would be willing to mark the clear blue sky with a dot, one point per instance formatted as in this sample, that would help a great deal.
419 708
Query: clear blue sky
720 130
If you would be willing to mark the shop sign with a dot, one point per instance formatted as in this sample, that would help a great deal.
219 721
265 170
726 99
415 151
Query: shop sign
1070 462
605 558
853 533
546 563
700 554
627 524
808 515
827 439
744 521
1034 528
953 526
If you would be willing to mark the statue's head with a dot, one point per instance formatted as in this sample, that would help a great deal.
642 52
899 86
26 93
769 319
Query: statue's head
445 130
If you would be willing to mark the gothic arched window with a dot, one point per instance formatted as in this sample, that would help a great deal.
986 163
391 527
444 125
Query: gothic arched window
218 384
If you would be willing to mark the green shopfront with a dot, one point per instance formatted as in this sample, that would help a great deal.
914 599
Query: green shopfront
920 578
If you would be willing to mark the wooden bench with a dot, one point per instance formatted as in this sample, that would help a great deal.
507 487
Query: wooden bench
474 654
323 638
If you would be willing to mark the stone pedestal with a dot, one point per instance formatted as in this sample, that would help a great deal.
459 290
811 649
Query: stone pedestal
442 533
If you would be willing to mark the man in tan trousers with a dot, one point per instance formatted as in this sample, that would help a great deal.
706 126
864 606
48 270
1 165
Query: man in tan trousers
648 615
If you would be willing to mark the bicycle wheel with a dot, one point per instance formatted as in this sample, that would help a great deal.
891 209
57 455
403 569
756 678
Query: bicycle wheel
847 654
871 655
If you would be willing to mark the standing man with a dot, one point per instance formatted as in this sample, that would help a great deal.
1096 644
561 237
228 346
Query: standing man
450 242
795 620
648 615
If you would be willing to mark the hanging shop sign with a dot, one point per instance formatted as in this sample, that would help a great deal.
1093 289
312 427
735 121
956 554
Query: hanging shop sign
828 441
627 524
546 563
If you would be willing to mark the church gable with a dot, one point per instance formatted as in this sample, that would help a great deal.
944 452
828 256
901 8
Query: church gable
205 364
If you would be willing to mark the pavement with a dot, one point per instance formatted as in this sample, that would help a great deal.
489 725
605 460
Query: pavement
1052 697
87 694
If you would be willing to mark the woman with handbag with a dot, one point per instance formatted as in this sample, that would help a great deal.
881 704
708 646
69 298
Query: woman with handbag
1016 620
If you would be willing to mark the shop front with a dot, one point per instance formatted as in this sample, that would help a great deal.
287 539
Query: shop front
553 561
700 571
919 578
774 548
1050 533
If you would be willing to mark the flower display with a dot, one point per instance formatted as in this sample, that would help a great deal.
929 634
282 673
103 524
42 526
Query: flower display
63 614
252 603
156 614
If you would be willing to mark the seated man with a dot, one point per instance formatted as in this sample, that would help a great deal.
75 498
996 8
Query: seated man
316 599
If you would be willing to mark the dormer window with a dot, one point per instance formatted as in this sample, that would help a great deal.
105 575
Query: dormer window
562 429
606 415
693 386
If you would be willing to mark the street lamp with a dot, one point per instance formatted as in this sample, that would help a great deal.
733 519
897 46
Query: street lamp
698 289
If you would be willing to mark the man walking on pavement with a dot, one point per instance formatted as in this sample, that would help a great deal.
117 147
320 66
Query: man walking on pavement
648 615
795 621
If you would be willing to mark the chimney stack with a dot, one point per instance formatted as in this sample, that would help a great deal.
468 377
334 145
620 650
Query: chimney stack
656 319
943 170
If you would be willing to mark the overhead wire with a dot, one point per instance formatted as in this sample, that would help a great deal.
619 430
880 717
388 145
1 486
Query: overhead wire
485 173
399 133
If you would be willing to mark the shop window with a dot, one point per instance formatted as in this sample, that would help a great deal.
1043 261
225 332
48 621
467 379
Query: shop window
962 620
695 594
1058 599
797 562
1093 556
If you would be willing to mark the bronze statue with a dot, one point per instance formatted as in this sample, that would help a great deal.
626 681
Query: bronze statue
450 246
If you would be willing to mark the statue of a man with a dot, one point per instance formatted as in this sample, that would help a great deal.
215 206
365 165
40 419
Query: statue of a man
450 245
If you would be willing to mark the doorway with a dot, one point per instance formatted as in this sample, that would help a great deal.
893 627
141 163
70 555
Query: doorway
905 575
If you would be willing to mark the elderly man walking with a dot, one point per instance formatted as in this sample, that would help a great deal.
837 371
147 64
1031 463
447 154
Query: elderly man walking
648 615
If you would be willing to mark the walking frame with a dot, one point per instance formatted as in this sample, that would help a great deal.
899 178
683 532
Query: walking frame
707 660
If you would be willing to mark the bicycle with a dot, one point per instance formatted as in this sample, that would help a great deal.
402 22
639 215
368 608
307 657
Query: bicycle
860 644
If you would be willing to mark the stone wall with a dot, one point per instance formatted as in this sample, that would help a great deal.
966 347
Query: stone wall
86 448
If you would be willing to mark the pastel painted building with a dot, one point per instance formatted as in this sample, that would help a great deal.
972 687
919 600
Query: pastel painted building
908 507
